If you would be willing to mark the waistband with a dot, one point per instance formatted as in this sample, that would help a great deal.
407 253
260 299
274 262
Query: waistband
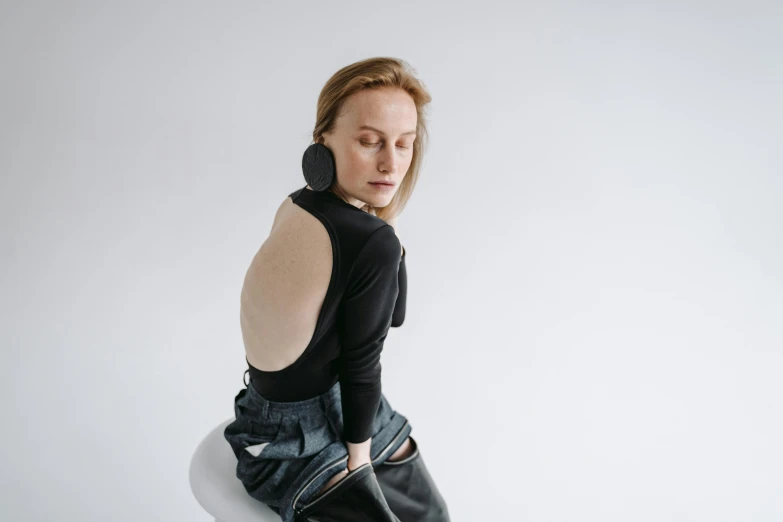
330 396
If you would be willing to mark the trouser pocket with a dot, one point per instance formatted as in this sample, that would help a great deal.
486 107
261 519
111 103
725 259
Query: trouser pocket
410 490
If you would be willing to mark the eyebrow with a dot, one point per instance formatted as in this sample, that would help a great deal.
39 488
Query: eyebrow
367 127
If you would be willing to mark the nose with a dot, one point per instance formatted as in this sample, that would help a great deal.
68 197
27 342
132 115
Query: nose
387 161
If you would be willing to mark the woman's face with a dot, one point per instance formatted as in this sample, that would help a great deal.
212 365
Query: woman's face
373 141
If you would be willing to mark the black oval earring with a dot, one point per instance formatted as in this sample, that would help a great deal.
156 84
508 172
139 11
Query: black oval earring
318 167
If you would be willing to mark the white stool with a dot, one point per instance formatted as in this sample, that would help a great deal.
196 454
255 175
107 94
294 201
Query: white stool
216 487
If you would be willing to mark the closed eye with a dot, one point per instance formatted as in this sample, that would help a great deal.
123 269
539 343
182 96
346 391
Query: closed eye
368 144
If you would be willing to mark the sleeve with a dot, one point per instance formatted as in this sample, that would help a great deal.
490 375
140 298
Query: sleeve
402 283
367 309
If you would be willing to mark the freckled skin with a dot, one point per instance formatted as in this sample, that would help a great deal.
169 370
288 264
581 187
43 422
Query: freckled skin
362 156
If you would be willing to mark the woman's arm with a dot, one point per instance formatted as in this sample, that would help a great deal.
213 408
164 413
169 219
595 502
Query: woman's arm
368 304
402 280
394 222
398 317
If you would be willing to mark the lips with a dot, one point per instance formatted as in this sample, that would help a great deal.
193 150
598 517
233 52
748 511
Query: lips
388 183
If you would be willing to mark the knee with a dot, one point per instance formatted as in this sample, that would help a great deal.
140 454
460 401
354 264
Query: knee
404 451
333 482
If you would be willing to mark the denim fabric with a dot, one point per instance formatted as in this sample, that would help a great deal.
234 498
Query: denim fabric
287 451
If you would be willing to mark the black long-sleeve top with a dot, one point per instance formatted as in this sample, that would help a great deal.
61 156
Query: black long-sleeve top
366 296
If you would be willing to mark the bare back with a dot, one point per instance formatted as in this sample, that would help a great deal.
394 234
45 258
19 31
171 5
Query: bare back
284 289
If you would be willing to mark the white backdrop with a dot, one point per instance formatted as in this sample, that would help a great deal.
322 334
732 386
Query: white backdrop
595 315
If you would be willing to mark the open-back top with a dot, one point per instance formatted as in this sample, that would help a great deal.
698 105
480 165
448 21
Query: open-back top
366 296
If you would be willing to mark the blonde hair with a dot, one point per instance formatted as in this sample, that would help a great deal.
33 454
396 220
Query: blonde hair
374 73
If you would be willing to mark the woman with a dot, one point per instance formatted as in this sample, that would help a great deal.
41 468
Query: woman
314 436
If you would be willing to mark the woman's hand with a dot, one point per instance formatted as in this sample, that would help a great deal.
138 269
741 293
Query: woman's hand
356 462
358 453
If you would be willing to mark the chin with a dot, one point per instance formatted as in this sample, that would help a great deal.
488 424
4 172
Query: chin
381 201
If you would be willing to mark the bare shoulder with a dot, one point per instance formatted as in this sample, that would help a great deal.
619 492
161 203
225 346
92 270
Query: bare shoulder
280 210
298 232
295 258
